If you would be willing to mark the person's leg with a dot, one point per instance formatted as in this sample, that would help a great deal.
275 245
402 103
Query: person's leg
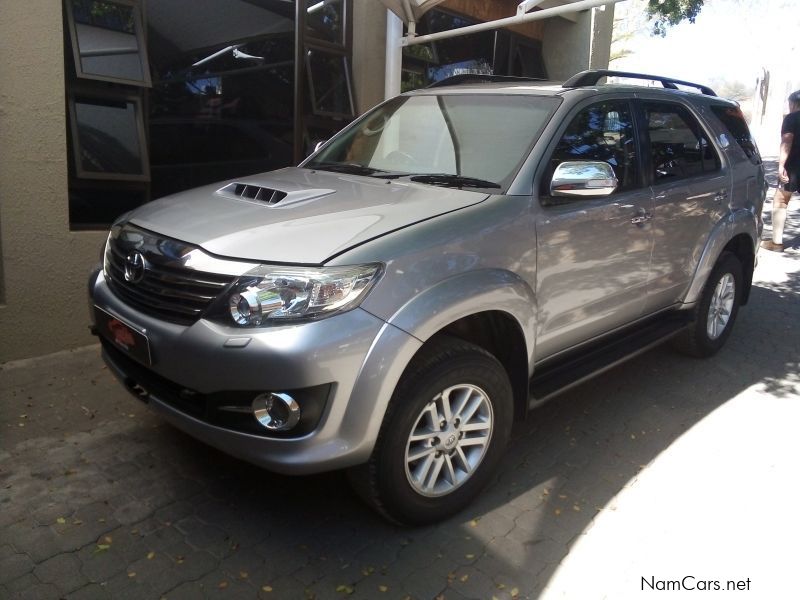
779 204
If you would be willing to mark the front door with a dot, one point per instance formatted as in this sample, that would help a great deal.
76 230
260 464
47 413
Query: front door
593 255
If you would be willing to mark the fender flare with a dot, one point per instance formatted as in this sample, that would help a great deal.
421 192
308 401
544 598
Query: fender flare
467 294
737 222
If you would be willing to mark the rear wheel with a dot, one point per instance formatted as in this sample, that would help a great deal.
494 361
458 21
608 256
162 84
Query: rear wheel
716 311
445 430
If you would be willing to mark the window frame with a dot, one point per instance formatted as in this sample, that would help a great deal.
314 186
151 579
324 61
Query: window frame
80 173
138 17
348 82
344 44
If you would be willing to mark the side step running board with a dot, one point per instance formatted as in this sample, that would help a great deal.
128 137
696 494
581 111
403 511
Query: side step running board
557 376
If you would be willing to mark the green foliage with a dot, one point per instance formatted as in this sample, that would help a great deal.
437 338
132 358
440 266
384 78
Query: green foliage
666 13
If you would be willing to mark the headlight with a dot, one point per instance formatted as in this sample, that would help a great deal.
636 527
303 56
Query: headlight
271 294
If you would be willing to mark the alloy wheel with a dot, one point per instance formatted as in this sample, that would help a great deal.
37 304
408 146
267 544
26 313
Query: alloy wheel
449 439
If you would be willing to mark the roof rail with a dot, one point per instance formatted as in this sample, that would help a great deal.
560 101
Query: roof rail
465 78
591 77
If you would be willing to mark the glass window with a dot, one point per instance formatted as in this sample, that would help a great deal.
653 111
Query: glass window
97 206
221 107
108 139
733 120
447 134
325 20
329 81
107 41
679 148
487 52
601 132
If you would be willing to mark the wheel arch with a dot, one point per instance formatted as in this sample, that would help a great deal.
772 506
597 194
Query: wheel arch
741 246
736 234
492 308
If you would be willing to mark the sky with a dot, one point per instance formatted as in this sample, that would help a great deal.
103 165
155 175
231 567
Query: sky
730 40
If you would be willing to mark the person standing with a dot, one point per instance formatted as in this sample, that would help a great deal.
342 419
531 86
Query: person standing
788 172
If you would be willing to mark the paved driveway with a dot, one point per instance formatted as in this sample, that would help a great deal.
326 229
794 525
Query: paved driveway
100 499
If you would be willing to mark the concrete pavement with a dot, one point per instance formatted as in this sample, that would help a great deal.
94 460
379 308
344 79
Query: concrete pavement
663 468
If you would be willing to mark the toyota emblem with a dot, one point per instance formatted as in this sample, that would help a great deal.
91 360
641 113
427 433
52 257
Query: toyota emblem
134 267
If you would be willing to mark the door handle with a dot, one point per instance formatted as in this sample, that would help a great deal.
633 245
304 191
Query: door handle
642 218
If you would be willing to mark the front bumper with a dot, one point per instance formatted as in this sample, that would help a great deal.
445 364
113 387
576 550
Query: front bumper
355 356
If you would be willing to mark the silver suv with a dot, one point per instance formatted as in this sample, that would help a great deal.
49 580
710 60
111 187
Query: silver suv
444 264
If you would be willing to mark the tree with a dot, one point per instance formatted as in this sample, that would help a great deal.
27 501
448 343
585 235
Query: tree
666 13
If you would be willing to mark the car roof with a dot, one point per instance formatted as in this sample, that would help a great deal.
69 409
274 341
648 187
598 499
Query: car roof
482 84
556 89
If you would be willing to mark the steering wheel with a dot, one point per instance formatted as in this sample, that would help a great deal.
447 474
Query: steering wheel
400 157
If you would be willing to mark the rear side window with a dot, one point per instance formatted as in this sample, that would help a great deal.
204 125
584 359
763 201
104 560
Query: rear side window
679 147
733 120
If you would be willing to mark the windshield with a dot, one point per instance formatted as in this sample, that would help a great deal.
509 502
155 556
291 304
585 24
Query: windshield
476 140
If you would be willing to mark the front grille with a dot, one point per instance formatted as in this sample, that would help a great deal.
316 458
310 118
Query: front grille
168 289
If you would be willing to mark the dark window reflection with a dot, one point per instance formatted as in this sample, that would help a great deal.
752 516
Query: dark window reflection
678 146
602 132
486 52
220 107
108 137
329 83
325 20
108 40
734 122
91 207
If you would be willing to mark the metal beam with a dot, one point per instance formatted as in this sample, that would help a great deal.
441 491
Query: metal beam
394 55
516 20
526 6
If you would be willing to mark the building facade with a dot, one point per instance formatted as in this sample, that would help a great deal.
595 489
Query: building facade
108 104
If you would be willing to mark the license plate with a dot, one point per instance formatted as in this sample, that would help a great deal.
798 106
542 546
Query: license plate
123 336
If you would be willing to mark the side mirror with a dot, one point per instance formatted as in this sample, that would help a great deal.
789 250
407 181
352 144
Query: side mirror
592 179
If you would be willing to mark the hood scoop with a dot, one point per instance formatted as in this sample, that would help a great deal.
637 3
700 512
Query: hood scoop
270 196
254 192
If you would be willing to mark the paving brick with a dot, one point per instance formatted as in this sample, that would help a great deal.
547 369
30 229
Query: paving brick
14 566
100 565
63 571
39 591
21 583
38 542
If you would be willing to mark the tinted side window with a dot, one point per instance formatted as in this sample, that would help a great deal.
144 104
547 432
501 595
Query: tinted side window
733 120
602 132
678 145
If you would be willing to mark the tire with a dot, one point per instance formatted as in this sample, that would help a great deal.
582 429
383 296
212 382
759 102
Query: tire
715 313
439 471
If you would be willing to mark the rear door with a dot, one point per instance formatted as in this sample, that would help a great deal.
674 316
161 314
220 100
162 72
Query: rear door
593 254
691 189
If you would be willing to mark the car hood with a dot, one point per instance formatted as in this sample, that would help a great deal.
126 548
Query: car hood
322 214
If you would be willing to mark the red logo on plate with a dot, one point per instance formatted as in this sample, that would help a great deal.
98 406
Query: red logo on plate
122 335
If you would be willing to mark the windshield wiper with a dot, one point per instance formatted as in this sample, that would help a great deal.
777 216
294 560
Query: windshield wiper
350 168
449 180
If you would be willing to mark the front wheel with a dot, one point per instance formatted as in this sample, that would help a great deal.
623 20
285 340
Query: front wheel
444 431
716 310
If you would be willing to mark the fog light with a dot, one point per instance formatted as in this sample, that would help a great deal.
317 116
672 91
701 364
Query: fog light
276 412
